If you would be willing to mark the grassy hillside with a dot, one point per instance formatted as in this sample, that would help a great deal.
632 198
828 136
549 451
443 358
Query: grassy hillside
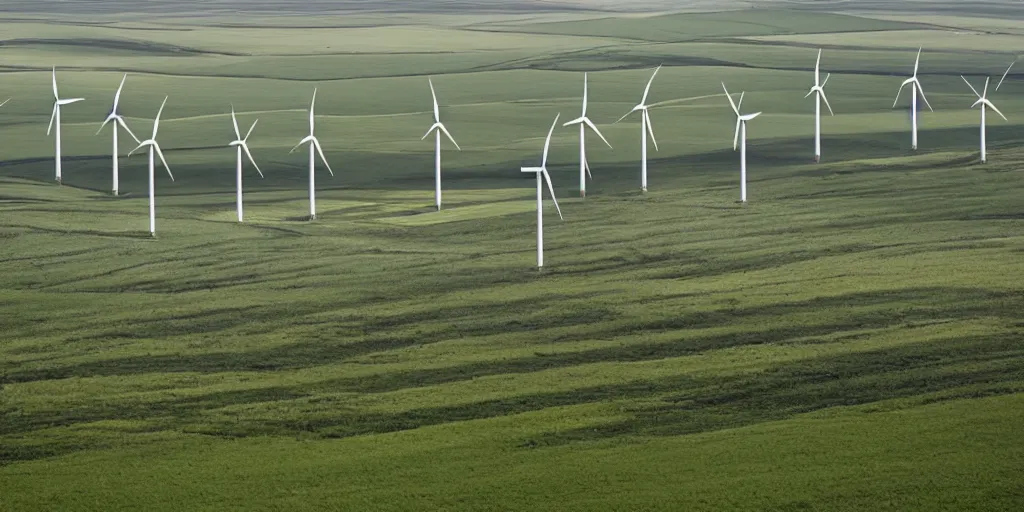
848 340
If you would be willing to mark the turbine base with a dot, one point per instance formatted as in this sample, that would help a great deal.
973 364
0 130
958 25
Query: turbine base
817 158
583 194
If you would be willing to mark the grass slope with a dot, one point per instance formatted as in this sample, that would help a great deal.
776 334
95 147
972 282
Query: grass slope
849 340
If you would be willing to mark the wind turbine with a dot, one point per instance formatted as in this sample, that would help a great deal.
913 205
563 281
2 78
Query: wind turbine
57 104
819 94
240 145
154 147
118 120
645 129
984 102
314 147
542 171
584 122
741 137
915 88
437 128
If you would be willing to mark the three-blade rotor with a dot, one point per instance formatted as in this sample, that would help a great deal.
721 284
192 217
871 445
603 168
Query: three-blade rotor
115 116
740 118
583 119
152 143
438 125
915 84
543 169
57 102
242 141
311 139
983 97
643 107
819 87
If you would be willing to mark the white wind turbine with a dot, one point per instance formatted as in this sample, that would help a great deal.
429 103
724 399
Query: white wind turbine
437 128
984 102
741 137
584 122
915 88
645 129
240 145
57 104
118 120
154 147
542 172
819 94
314 147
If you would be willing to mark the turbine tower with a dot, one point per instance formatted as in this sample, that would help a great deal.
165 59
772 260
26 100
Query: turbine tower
984 102
240 145
741 137
314 147
915 88
645 129
154 147
584 122
118 120
818 90
55 116
437 128
542 172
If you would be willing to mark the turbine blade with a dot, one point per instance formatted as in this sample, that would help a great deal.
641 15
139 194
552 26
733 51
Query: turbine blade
598 132
551 189
729 96
445 130
825 99
993 107
739 104
234 122
53 115
70 101
649 82
140 146
156 122
984 93
586 164
253 161
917 62
312 105
162 159
625 116
817 64
650 130
437 111
904 84
971 86
1004 75
547 142
301 142
578 120
120 120
923 97
5 102
251 128
56 97
104 124
316 144
809 93
736 137
117 95
431 130
584 95
827 76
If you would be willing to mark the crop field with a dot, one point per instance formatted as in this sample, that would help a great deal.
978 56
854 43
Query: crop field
852 338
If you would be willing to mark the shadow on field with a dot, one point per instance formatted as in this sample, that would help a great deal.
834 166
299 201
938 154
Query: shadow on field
687 404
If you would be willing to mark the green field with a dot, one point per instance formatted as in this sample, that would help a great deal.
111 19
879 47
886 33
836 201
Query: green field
850 339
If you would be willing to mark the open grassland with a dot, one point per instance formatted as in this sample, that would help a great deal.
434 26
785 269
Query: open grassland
852 339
